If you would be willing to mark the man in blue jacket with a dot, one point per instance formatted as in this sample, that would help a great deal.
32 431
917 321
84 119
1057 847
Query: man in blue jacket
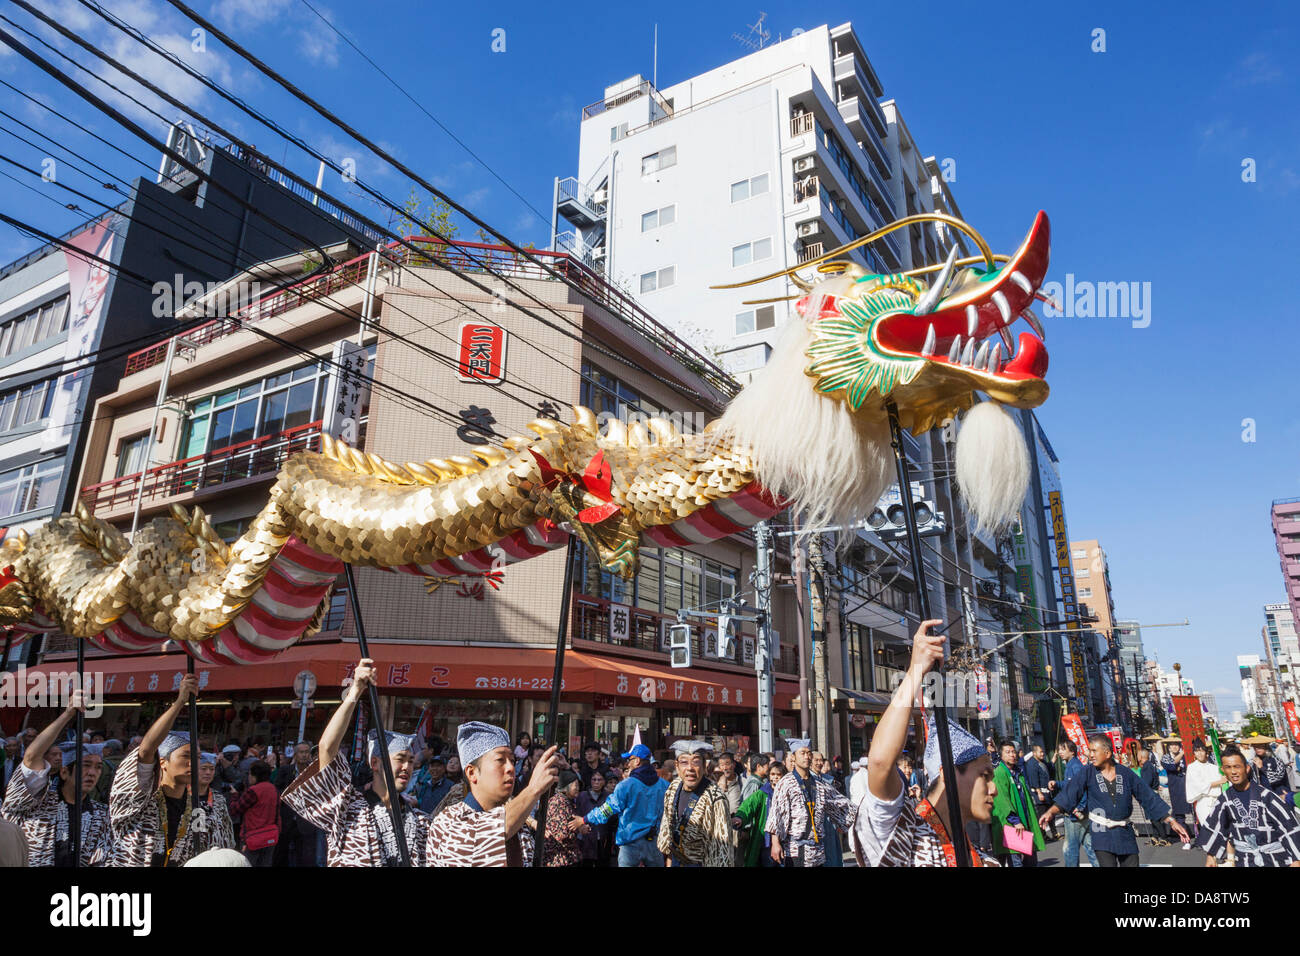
639 803
1040 784
1076 820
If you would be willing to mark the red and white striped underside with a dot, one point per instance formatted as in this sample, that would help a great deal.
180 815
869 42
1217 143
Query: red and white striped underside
299 578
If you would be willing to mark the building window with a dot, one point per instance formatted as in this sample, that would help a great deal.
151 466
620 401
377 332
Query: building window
263 407
650 281
747 252
22 406
606 395
748 188
1079 554
749 359
658 217
27 489
1085 592
132 454
1082 572
659 161
617 132
36 325
755 320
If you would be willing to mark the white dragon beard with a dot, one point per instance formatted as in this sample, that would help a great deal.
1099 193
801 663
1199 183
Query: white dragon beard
992 466
832 465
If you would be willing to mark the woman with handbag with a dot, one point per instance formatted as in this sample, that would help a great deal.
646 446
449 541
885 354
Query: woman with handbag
260 807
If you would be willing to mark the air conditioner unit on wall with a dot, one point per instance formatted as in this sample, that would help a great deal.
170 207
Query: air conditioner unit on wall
805 164
805 229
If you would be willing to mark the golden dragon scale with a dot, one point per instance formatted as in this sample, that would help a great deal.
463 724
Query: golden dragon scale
865 340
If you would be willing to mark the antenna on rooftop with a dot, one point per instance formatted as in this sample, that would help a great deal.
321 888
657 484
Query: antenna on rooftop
757 36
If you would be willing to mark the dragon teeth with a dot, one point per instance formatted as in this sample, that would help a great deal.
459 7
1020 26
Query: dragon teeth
1007 340
1004 307
928 349
1021 281
955 351
982 356
968 353
972 320
995 359
1028 316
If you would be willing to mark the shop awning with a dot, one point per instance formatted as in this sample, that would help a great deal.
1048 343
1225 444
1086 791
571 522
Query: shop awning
854 701
437 669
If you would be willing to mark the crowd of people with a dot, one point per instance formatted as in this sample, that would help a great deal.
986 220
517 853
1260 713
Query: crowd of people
485 800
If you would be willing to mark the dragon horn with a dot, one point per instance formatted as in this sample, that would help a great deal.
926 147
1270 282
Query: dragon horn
927 303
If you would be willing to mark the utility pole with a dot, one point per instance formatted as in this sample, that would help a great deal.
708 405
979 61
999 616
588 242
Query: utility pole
817 628
763 652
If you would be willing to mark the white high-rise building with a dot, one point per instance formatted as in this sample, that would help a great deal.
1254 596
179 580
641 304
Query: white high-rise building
1250 697
1283 648
745 170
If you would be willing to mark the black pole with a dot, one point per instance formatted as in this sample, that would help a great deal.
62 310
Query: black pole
951 795
557 679
9 640
74 817
394 808
200 842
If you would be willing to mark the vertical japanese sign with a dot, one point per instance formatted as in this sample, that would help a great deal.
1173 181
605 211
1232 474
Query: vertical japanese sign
1292 721
983 705
347 391
89 282
482 355
1074 730
1187 711
620 623
1069 603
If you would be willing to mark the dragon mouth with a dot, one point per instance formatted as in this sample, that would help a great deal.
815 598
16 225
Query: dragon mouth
968 330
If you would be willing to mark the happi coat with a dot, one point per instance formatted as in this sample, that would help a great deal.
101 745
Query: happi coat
36 806
464 834
358 827
790 822
1108 805
1013 803
1272 776
915 843
1176 771
139 826
1260 824
705 837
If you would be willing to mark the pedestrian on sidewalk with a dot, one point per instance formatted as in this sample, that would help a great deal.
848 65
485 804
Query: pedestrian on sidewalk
638 802
752 819
1013 808
259 808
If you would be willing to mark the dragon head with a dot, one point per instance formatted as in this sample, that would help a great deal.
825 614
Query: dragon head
869 341
929 347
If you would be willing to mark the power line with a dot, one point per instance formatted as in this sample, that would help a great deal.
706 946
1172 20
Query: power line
421 107
162 93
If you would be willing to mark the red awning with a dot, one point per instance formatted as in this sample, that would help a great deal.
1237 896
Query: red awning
438 668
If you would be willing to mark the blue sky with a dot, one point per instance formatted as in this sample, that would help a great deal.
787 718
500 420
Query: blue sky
1136 153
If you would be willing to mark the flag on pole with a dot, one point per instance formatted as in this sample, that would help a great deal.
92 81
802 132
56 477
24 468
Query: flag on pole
1214 742
424 729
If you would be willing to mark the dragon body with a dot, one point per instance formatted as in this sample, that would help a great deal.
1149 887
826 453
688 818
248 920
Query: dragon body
867 339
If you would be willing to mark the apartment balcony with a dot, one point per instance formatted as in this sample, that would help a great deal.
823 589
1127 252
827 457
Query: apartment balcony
848 72
202 476
648 631
872 143
801 124
811 250
805 188
1288 527
578 205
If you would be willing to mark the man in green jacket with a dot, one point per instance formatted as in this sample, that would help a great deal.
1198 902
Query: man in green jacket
752 818
1013 808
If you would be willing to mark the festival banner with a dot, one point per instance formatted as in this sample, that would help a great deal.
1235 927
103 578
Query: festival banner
1074 729
1292 720
1187 711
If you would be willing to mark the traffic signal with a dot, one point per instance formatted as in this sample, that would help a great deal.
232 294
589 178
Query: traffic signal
679 645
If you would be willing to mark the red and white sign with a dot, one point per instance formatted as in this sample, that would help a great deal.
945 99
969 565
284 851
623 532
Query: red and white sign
1292 720
482 353
1074 729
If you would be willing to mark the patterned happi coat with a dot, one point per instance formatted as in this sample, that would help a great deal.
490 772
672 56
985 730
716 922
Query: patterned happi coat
220 825
1266 834
357 826
464 834
40 810
915 843
707 839
138 831
787 817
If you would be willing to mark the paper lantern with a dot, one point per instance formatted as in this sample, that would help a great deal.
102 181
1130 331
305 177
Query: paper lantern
230 714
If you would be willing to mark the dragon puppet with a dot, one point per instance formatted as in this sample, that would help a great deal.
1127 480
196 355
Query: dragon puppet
811 432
